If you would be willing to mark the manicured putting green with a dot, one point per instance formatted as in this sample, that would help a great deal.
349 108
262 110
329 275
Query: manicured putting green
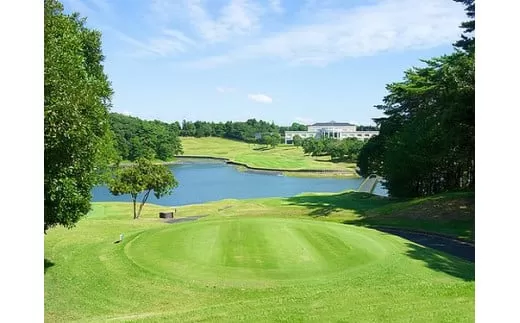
252 250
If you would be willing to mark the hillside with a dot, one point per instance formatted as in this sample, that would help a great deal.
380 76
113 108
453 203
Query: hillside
282 157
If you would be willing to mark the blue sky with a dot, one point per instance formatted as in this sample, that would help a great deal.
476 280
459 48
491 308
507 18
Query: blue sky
277 60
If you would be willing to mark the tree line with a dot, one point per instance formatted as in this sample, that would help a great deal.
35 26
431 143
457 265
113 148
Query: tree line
135 138
426 143
248 131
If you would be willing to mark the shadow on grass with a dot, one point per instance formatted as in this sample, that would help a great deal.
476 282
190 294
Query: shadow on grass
437 261
364 208
262 148
47 264
324 205
335 160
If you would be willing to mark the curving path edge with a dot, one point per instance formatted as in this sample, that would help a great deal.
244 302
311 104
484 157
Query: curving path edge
456 247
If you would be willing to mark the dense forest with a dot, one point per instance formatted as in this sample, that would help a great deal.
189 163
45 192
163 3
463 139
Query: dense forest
426 143
136 138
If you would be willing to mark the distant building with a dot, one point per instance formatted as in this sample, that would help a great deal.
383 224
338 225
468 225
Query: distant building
336 130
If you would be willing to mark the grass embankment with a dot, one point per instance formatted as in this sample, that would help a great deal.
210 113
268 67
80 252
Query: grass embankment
448 214
258 260
282 157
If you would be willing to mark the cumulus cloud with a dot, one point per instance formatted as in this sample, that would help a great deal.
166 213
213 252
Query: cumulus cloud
262 98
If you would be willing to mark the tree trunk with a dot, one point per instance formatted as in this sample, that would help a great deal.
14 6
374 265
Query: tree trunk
135 214
143 202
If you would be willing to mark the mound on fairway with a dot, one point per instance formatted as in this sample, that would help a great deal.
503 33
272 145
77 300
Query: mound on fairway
241 251
247 268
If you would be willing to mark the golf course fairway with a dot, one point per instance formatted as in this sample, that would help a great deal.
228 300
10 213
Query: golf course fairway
251 269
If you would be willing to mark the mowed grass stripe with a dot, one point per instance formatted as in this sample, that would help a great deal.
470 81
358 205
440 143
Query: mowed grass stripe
178 273
242 250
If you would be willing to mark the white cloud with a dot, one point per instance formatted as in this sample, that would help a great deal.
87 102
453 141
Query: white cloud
162 12
167 43
238 17
223 89
276 6
388 25
90 8
262 98
304 120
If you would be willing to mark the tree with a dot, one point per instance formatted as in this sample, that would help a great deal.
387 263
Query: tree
467 42
297 140
77 138
309 145
426 143
274 139
143 176
298 127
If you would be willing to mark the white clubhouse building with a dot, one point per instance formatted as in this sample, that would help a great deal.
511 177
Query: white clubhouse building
336 130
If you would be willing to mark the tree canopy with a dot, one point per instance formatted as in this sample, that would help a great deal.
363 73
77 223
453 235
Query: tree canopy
77 136
346 149
297 141
247 131
426 143
143 177
136 138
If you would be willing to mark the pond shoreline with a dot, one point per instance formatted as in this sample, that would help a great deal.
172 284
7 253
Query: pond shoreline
288 172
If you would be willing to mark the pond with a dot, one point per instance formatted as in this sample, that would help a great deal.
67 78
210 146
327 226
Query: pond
204 181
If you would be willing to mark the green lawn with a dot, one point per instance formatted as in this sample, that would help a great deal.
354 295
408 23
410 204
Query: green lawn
282 157
449 214
254 261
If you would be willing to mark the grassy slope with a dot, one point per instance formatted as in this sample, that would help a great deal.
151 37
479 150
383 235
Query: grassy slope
232 266
282 157
451 214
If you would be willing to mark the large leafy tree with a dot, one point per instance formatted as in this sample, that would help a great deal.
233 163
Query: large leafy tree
143 177
77 136
426 143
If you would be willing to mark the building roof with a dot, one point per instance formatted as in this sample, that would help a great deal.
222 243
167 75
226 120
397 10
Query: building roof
332 123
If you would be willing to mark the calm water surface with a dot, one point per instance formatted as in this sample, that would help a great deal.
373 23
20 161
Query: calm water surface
204 181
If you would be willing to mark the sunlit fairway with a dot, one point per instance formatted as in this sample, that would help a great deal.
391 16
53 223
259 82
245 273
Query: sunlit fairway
262 267
282 157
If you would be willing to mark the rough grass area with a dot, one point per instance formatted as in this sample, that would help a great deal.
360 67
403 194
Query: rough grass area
255 260
282 157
